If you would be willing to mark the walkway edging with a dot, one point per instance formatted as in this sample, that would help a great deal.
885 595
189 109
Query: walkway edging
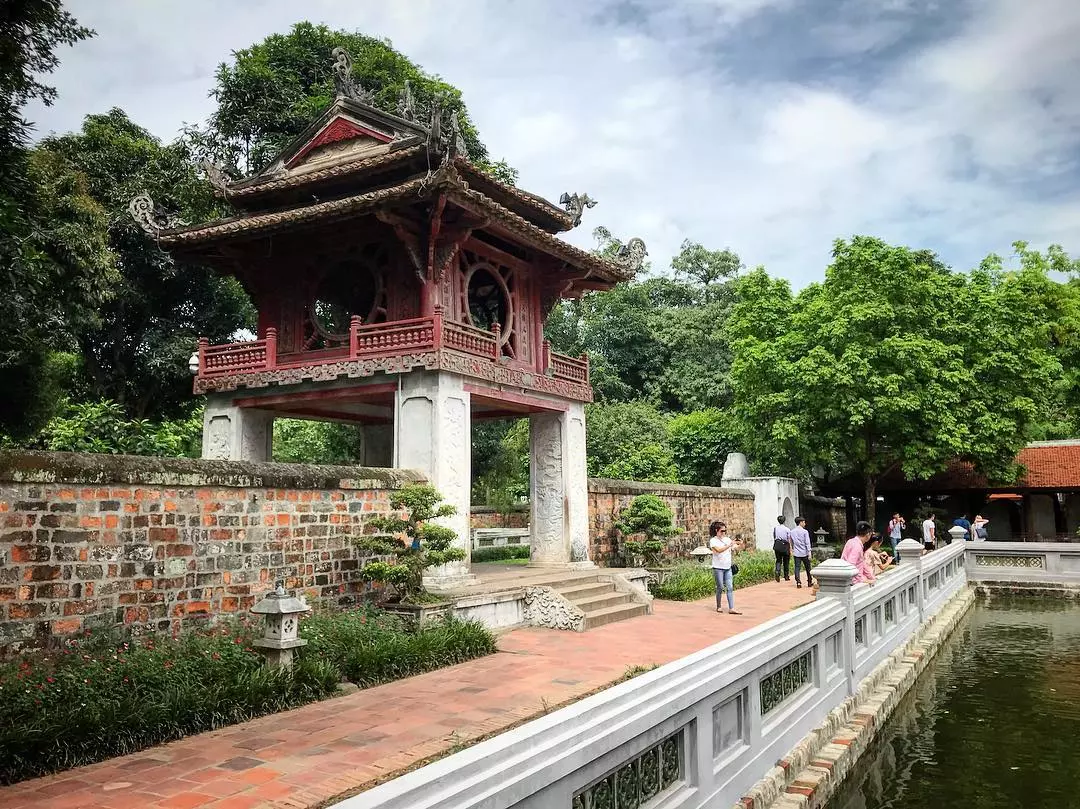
808 776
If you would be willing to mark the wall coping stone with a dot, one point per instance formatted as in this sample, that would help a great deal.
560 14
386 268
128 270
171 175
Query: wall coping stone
92 468
609 486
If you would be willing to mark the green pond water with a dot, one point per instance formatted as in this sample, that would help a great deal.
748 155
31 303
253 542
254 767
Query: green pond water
993 722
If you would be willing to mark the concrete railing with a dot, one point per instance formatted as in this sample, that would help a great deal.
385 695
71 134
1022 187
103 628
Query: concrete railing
499 537
702 730
1023 563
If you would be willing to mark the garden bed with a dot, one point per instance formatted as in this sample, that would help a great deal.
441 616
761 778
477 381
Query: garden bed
689 581
100 697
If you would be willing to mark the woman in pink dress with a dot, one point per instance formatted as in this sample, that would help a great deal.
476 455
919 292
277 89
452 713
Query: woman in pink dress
855 553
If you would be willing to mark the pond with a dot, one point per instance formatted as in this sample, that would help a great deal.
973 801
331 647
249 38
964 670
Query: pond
992 722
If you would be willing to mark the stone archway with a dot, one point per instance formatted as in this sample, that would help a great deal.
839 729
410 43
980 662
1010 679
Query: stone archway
788 510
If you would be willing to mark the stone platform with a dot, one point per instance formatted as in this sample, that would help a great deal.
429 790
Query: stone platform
507 596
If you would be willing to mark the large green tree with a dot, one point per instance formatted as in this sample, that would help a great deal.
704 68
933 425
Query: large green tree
894 362
272 90
135 352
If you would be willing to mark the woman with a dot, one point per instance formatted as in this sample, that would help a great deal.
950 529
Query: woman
722 547
876 559
855 553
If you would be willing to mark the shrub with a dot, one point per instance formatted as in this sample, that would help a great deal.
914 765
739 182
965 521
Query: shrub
99 698
498 554
102 427
649 515
428 545
369 646
690 581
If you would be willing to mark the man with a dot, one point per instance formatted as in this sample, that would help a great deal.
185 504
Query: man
964 523
800 549
722 546
929 533
897 526
782 548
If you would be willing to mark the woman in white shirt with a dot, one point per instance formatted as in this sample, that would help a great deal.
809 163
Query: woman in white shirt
722 547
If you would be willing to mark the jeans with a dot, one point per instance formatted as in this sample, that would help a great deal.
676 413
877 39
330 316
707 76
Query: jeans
803 561
724 582
783 562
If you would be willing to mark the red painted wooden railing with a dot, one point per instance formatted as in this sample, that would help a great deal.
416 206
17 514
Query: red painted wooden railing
569 368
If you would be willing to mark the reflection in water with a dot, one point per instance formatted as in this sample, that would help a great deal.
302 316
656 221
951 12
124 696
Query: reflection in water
990 723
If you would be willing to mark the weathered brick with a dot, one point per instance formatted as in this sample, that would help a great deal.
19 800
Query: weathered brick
89 571
42 573
30 553
66 626
70 536
32 609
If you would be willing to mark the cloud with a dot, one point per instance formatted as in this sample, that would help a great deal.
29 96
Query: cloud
768 126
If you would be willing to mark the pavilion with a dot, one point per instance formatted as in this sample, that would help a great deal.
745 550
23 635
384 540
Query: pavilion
401 289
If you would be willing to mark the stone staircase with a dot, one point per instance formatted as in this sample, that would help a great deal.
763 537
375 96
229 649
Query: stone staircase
600 600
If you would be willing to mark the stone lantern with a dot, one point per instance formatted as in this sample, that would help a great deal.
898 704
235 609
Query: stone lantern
281 633
701 553
821 533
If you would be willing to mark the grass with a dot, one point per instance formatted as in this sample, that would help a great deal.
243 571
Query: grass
690 581
103 695
502 553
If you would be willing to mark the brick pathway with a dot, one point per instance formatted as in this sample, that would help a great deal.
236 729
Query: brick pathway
310 755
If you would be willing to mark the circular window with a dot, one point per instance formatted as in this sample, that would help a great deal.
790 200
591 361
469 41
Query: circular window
350 288
489 300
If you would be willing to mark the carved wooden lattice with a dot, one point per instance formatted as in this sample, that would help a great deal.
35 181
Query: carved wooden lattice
355 282
487 293
783 683
638 782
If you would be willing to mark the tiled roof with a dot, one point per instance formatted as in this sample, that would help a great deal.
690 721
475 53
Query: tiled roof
534 201
341 170
1051 465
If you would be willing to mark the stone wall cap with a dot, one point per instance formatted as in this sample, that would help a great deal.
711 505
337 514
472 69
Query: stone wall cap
91 468
611 486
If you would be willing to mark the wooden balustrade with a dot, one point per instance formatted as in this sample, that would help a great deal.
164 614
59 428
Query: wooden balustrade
390 339
569 368
470 340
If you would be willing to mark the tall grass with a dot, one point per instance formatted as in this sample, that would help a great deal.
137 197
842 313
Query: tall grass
690 581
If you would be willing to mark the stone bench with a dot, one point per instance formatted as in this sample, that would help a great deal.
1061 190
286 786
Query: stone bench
498 537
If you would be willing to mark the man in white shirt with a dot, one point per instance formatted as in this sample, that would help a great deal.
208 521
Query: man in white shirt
722 547
929 533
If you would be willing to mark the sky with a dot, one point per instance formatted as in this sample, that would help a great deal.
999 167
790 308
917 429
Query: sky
772 127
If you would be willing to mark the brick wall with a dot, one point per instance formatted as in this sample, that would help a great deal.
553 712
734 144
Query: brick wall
153 543
827 513
486 517
694 508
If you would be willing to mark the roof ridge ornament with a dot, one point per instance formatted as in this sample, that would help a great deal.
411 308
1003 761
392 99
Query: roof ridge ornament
406 106
344 83
631 255
575 205
216 175
445 138
150 217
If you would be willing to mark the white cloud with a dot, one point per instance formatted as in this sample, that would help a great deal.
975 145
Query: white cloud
961 145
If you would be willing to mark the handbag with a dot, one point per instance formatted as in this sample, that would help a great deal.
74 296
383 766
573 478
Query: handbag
734 569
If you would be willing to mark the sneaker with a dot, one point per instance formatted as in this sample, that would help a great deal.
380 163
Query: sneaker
734 612
798 585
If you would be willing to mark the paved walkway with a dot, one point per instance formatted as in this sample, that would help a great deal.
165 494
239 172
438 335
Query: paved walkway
308 756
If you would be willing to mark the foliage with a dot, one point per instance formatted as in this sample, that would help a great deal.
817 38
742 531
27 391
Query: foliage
275 88
102 427
501 553
700 443
318 442
616 431
500 453
137 352
428 545
368 646
894 362
690 581
650 516
99 697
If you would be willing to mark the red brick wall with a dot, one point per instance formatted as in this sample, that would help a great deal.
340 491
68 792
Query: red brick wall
694 508
484 517
158 544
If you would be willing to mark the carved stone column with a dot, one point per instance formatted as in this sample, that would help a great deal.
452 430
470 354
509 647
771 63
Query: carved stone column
233 433
559 489
432 435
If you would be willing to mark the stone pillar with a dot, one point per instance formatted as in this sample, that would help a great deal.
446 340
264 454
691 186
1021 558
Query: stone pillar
559 489
378 445
834 581
233 433
432 435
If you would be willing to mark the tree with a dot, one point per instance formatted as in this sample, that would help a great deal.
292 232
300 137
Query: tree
628 441
41 204
700 443
428 544
651 517
276 87
708 269
894 362
136 352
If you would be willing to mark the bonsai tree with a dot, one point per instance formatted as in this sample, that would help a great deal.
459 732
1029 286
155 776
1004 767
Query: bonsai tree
650 516
425 544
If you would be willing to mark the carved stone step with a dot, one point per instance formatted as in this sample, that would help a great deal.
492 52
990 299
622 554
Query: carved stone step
578 591
596 603
609 615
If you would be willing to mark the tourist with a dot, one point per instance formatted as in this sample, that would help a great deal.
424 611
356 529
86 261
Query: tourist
800 549
964 523
855 553
896 532
723 567
782 548
929 533
979 527
876 559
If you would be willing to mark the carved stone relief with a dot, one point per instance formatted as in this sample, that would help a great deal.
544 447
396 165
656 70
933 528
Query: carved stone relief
577 489
217 438
549 542
545 607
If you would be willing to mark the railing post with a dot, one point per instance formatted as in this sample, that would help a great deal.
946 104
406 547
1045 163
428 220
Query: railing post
545 357
437 326
585 359
204 343
354 335
913 550
496 332
271 348
834 581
